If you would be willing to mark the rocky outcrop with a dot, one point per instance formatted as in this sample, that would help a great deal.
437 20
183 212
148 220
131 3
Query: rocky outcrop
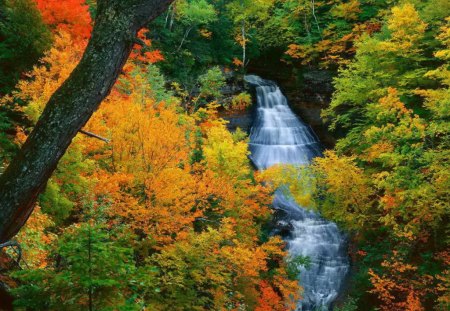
308 95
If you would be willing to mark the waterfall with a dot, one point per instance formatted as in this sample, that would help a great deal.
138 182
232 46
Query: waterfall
278 136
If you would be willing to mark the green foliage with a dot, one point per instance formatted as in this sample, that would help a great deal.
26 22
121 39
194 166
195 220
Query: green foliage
391 105
241 101
151 75
54 203
92 7
294 264
7 147
23 39
196 12
95 267
350 304
239 135
68 187
393 58
211 83
194 35
185 276
386 182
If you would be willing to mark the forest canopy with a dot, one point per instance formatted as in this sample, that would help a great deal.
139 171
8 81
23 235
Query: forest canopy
156 204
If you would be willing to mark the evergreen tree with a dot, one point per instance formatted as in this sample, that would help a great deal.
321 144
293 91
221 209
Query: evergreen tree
23 39
93 266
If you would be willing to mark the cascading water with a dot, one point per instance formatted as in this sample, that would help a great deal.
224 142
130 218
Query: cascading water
279 137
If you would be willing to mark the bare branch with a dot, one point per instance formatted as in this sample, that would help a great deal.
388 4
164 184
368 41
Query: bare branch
17 249
106 140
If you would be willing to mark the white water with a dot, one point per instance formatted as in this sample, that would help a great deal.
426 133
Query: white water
278 136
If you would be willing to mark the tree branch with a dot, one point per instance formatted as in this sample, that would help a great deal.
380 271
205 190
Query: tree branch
16 245
70 107
8 244
106 140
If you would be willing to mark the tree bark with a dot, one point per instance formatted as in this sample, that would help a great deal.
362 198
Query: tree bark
71 106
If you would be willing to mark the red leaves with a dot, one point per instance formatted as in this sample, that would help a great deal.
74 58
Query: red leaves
71 16
269 299
141 52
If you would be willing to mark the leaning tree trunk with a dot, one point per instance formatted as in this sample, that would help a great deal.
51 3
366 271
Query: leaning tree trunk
71 106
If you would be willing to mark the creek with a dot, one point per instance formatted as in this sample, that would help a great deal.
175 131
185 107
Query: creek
278 136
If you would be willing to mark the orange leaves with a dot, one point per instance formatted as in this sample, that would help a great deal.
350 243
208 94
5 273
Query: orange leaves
392 104
283 291
218 262
394 124
71 16
55 68
249 261
237 62
377 150
304 53
151 139
111 187
241 101
153 189
171 206
153 186
413 302
443 288
153 56
205 33
141 53
202 218
269 300
34 239
389 202
401 287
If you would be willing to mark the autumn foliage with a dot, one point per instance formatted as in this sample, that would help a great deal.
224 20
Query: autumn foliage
178 186
71 16
165 212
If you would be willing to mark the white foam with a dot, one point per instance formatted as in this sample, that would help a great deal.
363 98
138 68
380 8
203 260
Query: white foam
278 136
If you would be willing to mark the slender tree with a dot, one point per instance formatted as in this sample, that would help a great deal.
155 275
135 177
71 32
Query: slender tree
116 25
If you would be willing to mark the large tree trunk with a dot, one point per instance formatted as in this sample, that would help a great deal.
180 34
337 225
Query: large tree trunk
71 106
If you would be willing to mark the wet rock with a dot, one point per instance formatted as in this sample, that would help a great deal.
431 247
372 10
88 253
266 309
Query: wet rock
240 119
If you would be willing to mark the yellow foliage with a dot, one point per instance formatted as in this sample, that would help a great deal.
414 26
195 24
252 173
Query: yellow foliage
347 10
297 180
35 241
351 192
438 100
45 79
225 156
241 101
407 29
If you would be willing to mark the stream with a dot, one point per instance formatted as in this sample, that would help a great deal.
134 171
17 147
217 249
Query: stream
278 136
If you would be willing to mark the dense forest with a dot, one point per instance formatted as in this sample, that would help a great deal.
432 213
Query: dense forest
156 205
